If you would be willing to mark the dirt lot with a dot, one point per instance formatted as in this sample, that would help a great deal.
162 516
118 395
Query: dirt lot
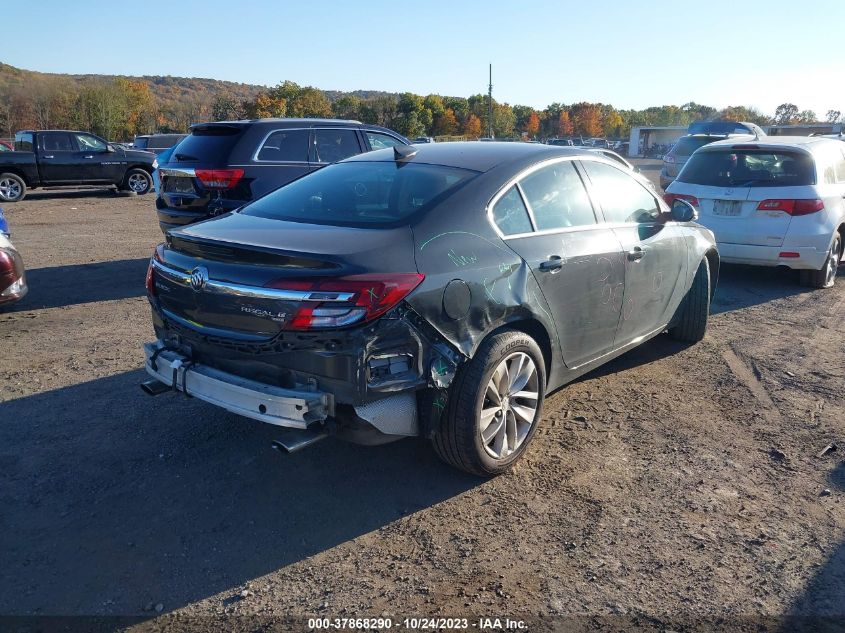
674 483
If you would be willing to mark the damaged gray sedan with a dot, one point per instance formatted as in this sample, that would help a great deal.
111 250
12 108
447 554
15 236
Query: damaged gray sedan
437 291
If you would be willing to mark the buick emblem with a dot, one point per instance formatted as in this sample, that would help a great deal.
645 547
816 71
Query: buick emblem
199 277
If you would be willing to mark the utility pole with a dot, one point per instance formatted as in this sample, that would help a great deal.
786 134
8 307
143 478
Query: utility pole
490 104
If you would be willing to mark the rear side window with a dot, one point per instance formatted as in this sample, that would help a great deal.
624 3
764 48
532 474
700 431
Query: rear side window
209 144
749 168
382 141
285 145
510 214
686 145
23 142
335 145
364 194
622 198
57 142
557 197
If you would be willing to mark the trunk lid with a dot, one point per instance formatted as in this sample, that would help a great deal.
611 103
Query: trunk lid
208 147
252 275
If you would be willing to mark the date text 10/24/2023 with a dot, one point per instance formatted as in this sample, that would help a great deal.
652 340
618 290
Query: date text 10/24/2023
417 624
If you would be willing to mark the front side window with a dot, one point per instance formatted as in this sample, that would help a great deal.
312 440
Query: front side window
57 142
365 194
510 214
335 145
557 197
88 143
285 145
621 197
382 141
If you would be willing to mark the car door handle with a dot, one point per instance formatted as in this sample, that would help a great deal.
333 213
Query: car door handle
87 157
553 263
48 156
636 254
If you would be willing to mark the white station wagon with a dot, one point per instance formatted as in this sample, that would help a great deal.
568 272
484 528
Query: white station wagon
773 201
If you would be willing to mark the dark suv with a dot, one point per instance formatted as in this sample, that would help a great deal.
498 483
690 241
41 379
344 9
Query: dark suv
157 143
221 166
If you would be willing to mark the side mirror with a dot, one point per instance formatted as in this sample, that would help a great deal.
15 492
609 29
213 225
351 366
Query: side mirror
109 148
683 211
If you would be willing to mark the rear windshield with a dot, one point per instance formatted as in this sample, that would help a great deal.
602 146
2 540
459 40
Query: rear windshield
164 141
749 168
210 144
361 193
688 144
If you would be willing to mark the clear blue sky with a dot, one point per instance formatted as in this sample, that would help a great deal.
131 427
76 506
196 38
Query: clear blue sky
629 54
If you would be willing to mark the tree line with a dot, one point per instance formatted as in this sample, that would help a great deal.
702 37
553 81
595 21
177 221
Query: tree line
120 108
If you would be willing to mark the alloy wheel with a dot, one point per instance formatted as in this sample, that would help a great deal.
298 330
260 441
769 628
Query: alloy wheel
510 405
10 189
138 183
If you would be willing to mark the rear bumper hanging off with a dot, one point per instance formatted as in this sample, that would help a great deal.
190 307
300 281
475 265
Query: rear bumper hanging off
293 408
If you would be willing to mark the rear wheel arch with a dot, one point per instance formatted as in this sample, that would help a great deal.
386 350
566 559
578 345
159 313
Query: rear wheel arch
531 327
841 231
20 174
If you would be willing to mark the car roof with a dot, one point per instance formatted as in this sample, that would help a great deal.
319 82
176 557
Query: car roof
476 156
286 122
806 143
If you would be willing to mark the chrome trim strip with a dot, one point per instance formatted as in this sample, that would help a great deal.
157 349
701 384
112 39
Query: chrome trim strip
253 292
177 171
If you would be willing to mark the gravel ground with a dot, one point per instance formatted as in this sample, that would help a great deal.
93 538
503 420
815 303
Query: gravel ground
675 483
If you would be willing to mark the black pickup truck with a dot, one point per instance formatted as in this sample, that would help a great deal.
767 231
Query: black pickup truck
59 158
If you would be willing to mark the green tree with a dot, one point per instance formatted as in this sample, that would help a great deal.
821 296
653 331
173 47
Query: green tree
785 114
347 107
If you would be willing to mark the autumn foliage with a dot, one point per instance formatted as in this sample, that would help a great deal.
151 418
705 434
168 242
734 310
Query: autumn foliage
119 108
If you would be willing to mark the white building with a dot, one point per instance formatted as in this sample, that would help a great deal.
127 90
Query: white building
644 137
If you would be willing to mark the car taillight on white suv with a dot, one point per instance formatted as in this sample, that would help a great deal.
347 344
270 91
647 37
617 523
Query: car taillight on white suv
791 206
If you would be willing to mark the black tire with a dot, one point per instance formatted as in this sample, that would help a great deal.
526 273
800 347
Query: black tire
12 188
457 440
694 310
138 181
826 276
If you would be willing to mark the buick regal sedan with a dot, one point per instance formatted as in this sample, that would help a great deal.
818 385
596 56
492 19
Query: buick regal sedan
439 290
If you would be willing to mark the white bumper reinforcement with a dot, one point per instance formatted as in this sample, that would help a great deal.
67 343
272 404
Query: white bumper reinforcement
293 408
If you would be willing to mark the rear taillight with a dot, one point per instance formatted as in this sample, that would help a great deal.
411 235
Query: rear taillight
150 281
219 178
370 296
11 269
669 198
792 207
8 270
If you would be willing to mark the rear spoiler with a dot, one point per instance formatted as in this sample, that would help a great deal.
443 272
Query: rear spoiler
725 127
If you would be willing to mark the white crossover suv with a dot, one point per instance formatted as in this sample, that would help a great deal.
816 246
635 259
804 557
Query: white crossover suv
773 201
